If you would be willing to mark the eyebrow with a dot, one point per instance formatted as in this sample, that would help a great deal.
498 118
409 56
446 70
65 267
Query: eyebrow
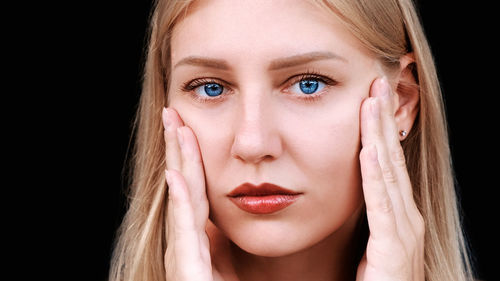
302 59
274 65
203 61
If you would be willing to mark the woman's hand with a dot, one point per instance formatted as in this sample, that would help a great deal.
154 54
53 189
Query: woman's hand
395 249
188 255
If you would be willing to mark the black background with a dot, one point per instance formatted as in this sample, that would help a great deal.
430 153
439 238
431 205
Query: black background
87 80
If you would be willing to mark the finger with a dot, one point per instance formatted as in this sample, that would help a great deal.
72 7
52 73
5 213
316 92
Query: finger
172 159
394 163
183 235
171 121
377 127
194 175
370 113
372 134
394 150
385 141
379 208
384 138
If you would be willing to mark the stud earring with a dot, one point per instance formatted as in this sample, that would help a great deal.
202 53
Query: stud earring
403 133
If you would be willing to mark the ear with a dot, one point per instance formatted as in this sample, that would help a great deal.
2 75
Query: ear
408 95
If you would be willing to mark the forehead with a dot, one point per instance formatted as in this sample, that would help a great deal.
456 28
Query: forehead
247 31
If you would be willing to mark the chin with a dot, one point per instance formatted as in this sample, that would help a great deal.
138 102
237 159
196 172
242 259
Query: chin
267 249
271 239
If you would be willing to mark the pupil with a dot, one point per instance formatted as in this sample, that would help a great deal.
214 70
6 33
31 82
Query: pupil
213 89
308 86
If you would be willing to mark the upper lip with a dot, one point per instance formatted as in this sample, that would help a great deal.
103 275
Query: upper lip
248 189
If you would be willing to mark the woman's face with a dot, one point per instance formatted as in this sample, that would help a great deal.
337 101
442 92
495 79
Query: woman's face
263 125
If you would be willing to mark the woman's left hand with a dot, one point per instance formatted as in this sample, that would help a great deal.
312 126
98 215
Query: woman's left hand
395 249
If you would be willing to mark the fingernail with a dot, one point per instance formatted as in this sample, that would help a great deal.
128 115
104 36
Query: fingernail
180 136
167 122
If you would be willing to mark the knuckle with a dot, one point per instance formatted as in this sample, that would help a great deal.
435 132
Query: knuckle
378 134
184 231
385 206
382 206
398 157
388 174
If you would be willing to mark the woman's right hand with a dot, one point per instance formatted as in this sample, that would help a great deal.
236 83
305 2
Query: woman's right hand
188 256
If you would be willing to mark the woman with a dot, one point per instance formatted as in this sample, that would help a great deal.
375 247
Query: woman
302 140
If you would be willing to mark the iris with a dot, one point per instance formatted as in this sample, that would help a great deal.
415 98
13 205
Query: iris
213 89
308 86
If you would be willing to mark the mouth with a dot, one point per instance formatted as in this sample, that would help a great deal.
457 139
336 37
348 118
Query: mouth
266 198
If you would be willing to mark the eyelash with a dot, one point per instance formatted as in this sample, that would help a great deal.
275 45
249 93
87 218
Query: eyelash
189 86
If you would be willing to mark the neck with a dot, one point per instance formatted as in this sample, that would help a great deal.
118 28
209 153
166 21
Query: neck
333 258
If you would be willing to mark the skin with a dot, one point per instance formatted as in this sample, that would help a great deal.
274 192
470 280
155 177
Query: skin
342 150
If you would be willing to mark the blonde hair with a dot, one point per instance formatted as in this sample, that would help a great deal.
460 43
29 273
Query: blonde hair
390 29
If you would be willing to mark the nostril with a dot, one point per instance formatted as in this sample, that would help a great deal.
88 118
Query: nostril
252 159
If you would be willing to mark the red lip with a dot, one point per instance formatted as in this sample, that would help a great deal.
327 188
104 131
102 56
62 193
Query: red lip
266 198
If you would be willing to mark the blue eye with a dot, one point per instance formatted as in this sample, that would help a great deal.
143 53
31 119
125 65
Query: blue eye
210 89
304 86
308 86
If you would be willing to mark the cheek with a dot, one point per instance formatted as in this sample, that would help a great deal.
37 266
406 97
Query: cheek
329 147
334 171
328 157
334 144
331 159
214 139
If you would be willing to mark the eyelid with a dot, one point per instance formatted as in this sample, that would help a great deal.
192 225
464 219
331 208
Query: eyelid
312 75
191 85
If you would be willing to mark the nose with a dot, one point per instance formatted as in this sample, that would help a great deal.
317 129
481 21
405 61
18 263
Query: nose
257 136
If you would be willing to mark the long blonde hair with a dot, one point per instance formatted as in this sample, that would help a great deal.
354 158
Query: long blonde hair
390 29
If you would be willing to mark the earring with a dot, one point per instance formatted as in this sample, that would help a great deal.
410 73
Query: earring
403 133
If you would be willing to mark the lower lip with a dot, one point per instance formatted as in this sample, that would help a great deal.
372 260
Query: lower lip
264 204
